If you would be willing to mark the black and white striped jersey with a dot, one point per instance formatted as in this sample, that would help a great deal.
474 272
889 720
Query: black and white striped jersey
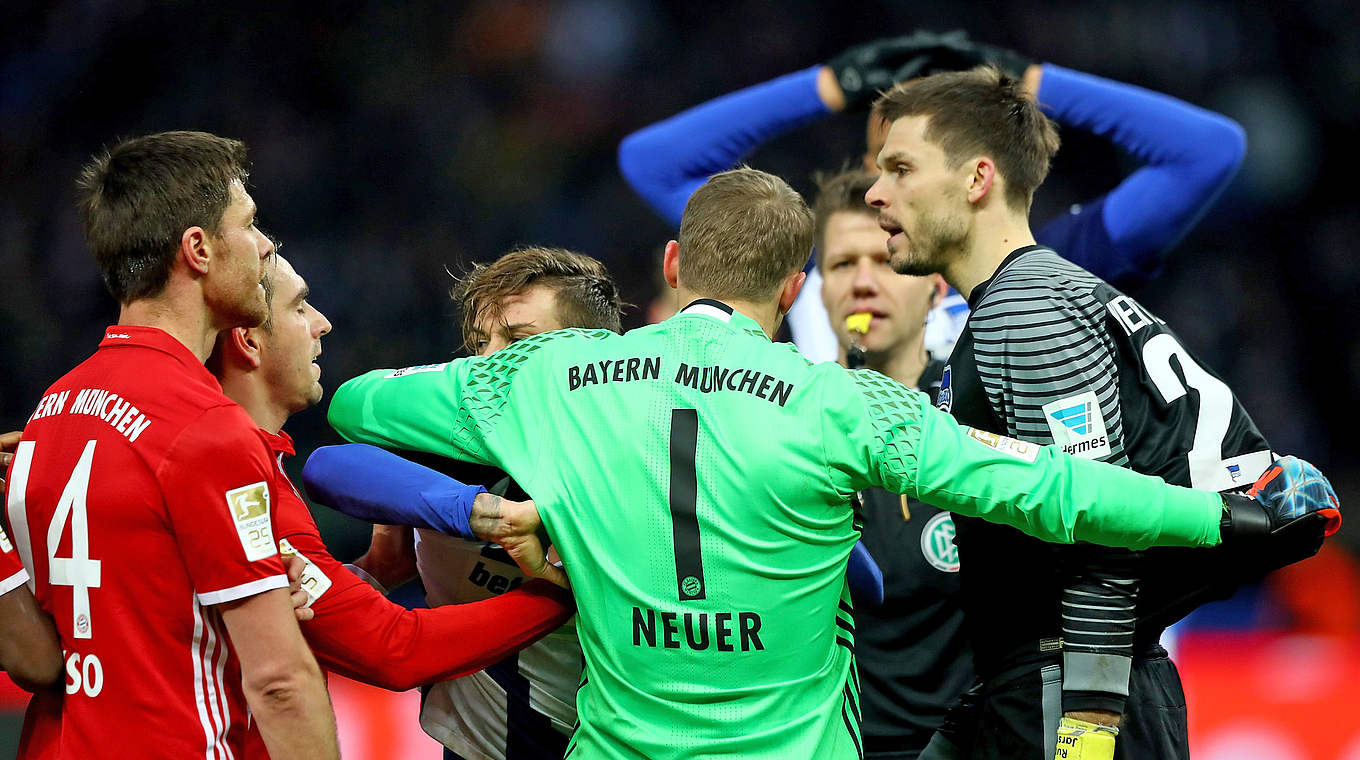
1054 355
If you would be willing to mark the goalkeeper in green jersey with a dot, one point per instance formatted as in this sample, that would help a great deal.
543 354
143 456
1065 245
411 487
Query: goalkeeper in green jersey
696 478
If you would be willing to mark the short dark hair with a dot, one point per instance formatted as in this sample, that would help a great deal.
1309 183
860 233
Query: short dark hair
138 198
585 294
842 191
981 111
743 231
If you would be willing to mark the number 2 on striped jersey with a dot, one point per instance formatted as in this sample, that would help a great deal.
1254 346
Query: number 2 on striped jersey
1207 467
77 571
684 500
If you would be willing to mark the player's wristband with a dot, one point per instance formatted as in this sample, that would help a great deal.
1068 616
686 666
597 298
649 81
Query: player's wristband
1243 517
1079 740
378 486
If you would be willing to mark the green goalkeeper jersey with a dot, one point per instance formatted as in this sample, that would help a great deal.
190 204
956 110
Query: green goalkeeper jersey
696 480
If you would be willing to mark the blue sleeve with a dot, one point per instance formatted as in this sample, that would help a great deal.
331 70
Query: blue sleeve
378 486
1190 154
667 161
865 577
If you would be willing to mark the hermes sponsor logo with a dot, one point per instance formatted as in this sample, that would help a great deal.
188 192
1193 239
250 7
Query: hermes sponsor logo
1077 425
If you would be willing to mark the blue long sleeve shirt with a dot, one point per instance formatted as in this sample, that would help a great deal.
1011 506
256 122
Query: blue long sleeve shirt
1189 156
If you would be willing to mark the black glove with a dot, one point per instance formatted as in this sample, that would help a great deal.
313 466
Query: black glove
1291 498
866 69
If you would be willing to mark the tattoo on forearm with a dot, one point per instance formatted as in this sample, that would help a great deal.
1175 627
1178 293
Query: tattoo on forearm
486 515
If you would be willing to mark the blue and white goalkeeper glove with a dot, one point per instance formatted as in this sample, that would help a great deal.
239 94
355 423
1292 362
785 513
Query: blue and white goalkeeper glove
1291 497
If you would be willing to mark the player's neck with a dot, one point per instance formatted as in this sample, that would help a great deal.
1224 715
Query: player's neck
904 365
250 391
765 314
186 322
988 245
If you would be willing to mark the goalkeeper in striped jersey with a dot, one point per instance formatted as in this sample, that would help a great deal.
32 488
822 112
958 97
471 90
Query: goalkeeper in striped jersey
1065 640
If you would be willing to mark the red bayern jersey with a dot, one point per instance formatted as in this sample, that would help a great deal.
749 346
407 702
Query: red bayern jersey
359 633
12 572
139 497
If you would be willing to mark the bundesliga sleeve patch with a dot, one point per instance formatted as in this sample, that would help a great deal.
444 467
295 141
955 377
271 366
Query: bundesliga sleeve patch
314 581
1077 426
1018 449
249 506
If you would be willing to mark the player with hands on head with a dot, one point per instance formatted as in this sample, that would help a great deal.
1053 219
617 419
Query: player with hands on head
1188 156
708 548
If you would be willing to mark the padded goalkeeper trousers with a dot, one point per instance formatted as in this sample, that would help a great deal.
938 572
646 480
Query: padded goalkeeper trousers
1014 716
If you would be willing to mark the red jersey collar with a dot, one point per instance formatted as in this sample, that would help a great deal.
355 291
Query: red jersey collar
280 443
158 340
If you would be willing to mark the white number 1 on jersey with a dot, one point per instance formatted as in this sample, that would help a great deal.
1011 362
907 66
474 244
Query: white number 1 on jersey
77 571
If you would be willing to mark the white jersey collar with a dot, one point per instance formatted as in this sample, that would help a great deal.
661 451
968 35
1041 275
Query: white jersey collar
709 307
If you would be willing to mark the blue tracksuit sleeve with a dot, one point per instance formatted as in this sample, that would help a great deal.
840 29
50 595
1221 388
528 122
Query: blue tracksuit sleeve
1190 154
378 486
667 161
865 577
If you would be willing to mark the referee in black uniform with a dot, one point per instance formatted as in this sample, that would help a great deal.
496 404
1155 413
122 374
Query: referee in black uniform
910 652
1051 354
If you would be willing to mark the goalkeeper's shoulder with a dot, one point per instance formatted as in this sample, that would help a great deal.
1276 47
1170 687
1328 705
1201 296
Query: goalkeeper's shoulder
862 402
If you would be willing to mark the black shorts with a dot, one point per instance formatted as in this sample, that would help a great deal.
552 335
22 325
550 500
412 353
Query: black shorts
1014 716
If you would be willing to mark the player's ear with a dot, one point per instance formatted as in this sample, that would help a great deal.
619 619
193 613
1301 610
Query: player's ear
670 264
939 289
981 179
194 250
789 292
245 343
875 134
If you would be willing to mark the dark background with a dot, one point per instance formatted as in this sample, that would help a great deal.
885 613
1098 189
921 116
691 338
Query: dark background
393 141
